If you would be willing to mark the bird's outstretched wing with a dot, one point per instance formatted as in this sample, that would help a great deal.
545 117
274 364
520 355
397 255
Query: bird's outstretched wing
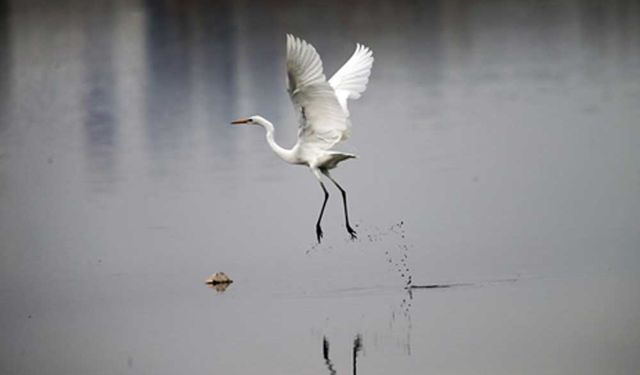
351 80
323 123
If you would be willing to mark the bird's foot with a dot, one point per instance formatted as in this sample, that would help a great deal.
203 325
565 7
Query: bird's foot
319 233
352 233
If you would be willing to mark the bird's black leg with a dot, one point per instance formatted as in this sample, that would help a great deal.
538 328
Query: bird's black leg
326 197
346 212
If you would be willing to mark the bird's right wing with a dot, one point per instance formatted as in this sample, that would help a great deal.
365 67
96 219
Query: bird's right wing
323 123
351 80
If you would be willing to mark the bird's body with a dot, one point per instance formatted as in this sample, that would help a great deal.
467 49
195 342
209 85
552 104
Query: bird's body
302 153
322 111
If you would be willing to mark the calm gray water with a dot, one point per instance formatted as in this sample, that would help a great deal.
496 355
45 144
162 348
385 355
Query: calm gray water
499 148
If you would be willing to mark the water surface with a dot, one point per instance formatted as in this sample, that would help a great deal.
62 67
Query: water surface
499 153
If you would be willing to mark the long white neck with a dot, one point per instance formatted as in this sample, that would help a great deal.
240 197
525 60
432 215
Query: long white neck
283 153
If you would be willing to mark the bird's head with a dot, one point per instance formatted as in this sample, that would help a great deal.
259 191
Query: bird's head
252 120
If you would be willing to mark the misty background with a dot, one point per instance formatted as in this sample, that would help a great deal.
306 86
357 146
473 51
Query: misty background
499 148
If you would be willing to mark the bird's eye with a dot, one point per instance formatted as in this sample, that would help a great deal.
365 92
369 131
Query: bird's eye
250 120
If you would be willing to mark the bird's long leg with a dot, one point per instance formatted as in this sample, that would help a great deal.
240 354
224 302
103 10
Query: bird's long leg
352 232
324 204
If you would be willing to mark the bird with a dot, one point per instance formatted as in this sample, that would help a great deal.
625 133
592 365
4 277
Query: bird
323 116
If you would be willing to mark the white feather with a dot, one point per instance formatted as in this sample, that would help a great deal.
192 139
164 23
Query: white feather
351 80
322 122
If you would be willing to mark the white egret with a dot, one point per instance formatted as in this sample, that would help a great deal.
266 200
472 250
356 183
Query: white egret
322 111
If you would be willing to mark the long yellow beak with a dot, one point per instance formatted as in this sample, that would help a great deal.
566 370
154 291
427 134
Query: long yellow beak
240 121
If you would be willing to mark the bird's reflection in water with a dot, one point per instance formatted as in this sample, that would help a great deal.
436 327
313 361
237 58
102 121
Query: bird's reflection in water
325 354
357 347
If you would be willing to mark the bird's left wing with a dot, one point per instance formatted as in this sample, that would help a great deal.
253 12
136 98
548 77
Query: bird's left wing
323 123
351 80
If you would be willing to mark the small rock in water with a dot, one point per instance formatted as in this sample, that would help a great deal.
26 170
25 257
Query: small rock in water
219 278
